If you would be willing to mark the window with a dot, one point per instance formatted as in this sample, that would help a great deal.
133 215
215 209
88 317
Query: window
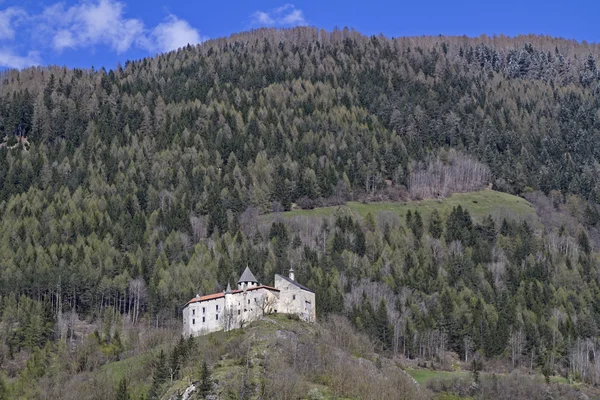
294 297
217 317
193 322
203 319
203 310
193 312
239 312
248 301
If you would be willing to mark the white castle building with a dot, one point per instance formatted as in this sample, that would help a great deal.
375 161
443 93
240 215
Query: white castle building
232 309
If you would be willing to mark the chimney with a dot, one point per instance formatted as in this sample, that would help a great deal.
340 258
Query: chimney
292 276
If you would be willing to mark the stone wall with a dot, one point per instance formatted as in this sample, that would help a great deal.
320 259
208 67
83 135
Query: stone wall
295 300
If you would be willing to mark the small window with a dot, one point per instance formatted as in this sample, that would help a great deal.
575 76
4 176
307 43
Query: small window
217 317
203 310
203 319
294 297
193 322
248 301
193 312
217 307
239 312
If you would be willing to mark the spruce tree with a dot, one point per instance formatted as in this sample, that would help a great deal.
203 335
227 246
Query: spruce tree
161 374
205 386
370 222
122 390
383 327
436 225
417 225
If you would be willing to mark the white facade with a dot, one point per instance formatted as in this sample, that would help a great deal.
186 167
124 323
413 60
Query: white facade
232 309
295 299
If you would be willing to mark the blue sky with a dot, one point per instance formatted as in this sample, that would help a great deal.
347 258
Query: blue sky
86 33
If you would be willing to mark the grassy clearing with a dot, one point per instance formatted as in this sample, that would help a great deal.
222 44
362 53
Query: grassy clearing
130 367
479 204
422 376
447 396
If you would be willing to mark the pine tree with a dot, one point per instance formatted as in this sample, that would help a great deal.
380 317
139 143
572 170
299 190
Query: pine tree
205 387
584 243
122 390
370 222
161 374
505 230
360 244
436 225
476 367
409 220
383 327
175 362
489 229
417 225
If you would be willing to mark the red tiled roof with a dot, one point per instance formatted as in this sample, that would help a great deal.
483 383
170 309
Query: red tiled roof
221 294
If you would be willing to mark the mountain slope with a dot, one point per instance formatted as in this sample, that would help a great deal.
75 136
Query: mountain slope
142 186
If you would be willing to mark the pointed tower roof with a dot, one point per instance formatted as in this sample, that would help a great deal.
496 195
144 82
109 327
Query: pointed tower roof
228 290
247 276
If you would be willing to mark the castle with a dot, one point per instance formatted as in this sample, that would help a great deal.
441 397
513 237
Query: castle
232 309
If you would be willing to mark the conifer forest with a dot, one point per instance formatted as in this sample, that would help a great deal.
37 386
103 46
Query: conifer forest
125 192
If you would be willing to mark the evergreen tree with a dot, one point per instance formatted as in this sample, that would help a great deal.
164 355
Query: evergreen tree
205 386
584 243
122 390
370 222
161 374
383 328
417 225
436 225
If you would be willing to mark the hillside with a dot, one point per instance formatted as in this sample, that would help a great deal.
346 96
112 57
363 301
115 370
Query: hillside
280 357
277 357
410 158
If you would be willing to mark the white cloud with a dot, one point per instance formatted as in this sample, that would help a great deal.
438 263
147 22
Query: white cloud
286 15
9 59
262 18
9 18
85 25
173 34
90 24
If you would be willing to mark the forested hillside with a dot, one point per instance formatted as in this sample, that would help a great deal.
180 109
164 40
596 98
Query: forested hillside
123 193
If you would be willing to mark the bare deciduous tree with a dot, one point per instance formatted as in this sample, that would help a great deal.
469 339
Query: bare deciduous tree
137 298
449 173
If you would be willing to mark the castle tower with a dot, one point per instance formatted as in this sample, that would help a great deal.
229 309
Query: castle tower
247 280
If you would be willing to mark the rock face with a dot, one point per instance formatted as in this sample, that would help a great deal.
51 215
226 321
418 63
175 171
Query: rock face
187 393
